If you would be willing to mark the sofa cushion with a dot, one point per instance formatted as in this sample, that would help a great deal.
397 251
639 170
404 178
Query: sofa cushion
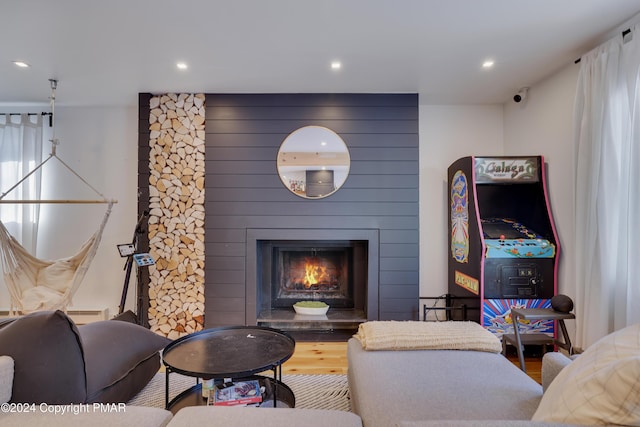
600 387
553 363
387 387
6 378
49 361
480 423
120 357
223 416
90 416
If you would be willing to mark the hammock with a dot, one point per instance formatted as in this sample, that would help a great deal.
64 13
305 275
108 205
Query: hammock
36 284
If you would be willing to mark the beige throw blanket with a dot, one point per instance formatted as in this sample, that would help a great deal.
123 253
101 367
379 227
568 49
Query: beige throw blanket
415 335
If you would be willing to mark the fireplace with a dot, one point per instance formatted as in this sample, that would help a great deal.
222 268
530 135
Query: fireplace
316 270
338 267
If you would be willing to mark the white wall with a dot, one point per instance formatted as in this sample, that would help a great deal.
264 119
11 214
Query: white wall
543 125
101 145
447 133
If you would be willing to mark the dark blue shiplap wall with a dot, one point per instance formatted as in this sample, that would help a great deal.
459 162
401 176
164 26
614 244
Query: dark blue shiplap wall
243 190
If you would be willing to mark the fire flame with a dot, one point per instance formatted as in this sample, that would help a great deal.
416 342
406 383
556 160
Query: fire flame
314 273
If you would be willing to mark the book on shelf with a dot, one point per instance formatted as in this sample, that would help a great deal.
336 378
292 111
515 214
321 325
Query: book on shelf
238 393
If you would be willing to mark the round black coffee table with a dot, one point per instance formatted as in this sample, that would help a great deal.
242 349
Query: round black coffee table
233 352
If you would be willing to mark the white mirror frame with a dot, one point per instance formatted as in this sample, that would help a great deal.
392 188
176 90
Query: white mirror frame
313 162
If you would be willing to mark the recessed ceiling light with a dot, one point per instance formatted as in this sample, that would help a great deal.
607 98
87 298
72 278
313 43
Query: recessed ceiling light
21 64
489 63
336 65
182 65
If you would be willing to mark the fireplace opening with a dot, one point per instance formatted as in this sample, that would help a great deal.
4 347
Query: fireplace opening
331 271
319 272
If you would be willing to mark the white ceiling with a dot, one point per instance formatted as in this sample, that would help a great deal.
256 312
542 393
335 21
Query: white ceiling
106 52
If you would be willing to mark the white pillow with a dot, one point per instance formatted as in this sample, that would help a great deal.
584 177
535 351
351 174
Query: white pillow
601 387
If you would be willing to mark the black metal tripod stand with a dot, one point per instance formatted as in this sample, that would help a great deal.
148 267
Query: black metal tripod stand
128 266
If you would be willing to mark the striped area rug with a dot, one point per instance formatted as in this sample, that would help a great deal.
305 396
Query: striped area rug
311 391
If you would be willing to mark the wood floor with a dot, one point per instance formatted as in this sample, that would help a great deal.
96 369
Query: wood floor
331 358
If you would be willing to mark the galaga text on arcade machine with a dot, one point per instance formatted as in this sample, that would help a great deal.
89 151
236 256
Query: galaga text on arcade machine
503 246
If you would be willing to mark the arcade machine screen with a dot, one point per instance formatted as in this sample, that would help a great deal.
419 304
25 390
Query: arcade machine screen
508 235
500 229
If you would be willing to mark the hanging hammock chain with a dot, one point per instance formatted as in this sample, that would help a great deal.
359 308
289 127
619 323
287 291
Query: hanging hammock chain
54 141
54 144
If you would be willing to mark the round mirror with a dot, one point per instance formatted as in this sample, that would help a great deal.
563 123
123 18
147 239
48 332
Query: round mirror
313 162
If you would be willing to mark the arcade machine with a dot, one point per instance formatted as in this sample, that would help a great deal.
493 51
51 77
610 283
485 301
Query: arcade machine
503 247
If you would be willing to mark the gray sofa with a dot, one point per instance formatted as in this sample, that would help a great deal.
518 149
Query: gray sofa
453 387
400 406
414 387
53 372
58 362
404 388
14 414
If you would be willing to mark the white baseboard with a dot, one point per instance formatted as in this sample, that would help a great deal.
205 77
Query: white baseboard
80 317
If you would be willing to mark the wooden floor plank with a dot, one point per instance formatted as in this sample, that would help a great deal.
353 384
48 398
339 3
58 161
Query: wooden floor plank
317 358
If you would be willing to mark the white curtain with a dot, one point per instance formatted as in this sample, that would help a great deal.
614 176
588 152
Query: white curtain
21 141
607 135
